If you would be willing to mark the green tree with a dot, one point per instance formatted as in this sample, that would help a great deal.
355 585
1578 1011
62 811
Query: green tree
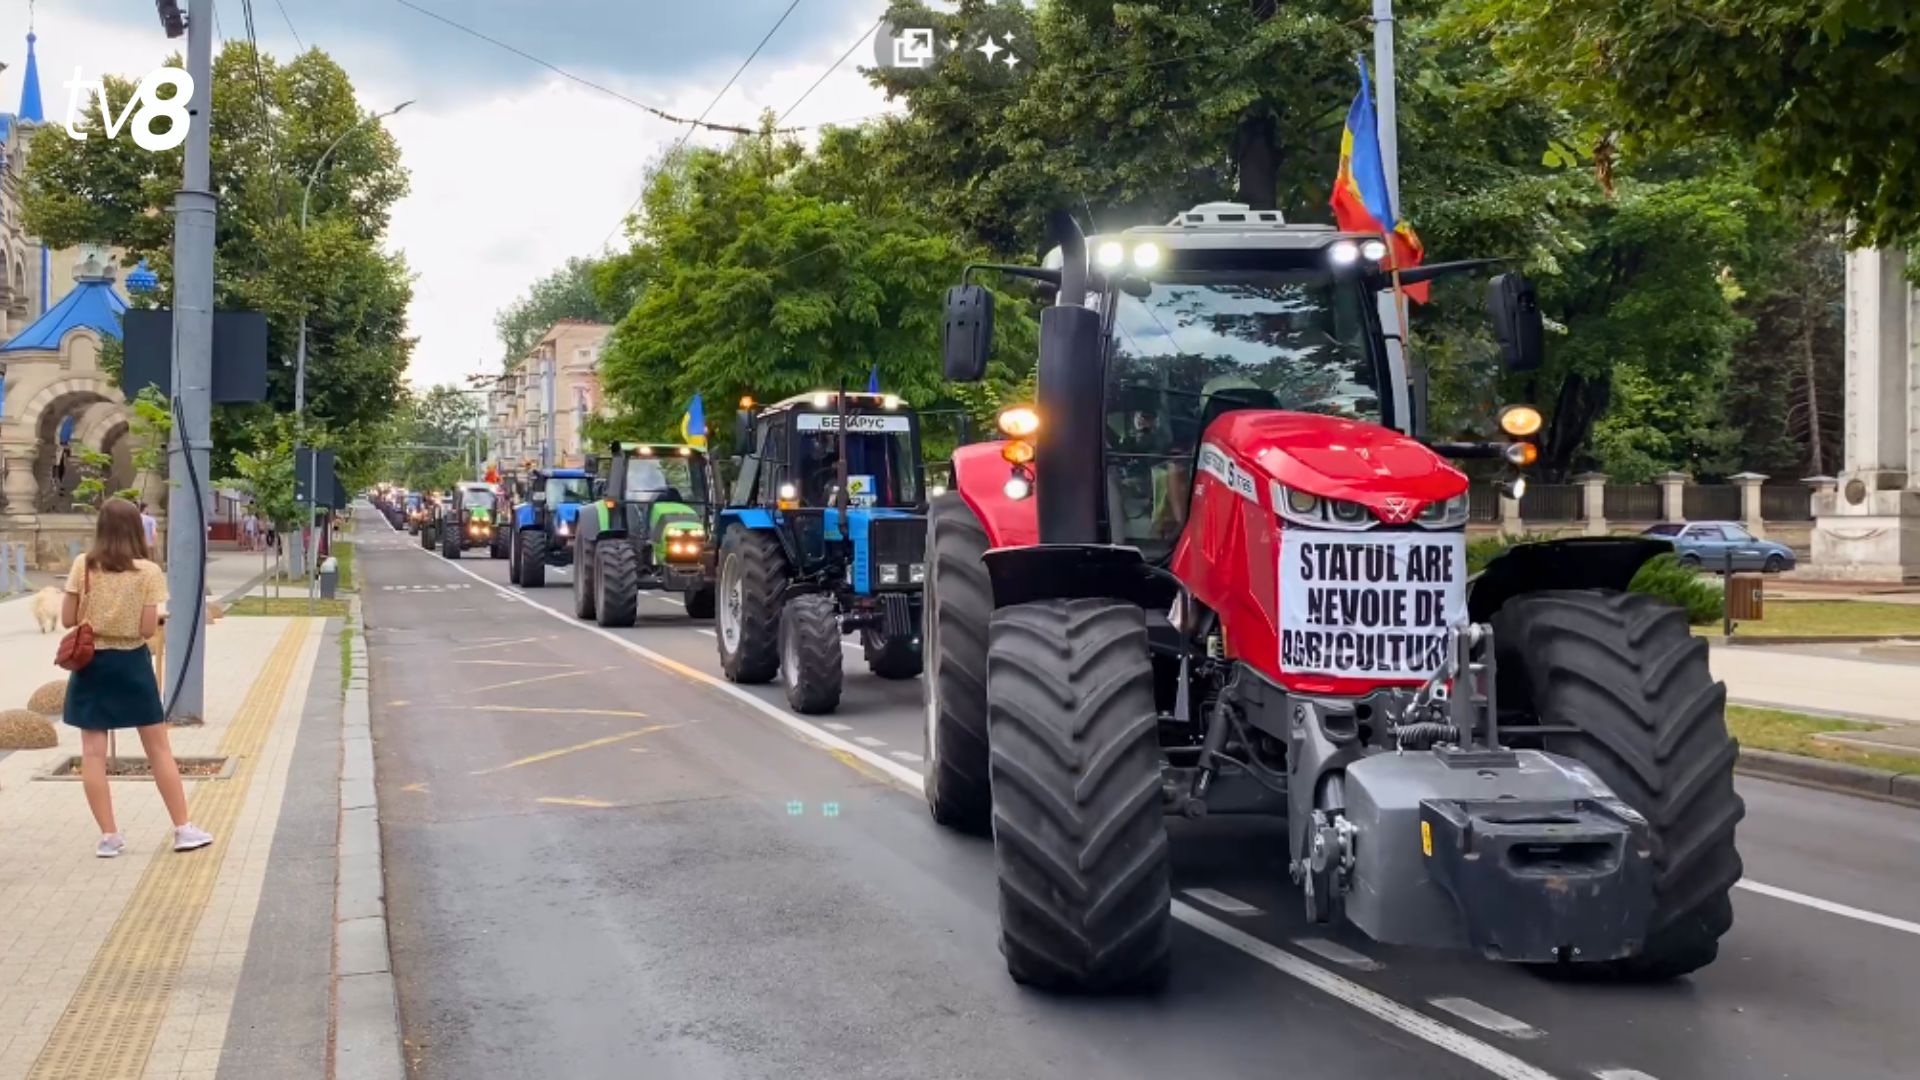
429 437
353 293
570 292
1821 94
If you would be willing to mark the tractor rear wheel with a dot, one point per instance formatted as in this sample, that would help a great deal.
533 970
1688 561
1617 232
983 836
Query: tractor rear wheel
616 582
1623 670
583 568
1079 840
892 658
426 537
498 547
450 542
699 601
958 602
533 559
753 581
513 557
810 665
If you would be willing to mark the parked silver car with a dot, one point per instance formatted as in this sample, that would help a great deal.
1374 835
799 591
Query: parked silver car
1707 544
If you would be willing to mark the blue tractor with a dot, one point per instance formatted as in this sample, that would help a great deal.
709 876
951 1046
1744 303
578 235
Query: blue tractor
823 534
546 515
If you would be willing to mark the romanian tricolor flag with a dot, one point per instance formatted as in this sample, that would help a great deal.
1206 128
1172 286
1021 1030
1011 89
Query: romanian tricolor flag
693 424
1360 199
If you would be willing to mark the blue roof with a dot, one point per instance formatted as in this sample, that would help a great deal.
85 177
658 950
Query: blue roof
6 126
92 303
30 86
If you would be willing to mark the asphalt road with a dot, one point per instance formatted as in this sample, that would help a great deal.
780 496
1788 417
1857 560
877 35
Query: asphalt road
602 861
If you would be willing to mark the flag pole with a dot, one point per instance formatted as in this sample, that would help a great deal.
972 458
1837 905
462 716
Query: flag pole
1387 131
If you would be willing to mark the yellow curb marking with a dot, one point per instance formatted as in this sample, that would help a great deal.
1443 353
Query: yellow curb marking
543 710
397 704
591 804
535 679
517 663
549 755
499 644
109 1026
419 788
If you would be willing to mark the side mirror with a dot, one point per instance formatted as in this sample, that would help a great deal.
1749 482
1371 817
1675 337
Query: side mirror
1516 322
592 464
967 335
539 498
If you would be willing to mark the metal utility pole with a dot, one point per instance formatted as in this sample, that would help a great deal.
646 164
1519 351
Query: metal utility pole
1393 314
192 442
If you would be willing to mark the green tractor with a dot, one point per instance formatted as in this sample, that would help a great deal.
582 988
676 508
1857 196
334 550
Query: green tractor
473 516
645 530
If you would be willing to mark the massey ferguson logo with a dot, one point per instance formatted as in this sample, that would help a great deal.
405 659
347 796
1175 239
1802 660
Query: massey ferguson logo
1396 509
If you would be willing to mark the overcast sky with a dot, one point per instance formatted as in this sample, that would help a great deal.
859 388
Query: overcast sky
514 168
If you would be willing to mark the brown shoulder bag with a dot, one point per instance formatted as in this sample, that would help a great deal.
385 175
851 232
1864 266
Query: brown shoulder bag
76 649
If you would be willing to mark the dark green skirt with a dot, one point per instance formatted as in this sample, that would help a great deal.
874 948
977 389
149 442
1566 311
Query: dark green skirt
117 690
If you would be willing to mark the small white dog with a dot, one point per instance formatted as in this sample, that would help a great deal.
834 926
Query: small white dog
46 608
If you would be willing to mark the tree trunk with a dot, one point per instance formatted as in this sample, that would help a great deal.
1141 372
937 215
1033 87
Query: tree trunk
1810 371
1256 152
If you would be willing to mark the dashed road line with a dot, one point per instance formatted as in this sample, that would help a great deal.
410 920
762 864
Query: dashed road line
1481 1016
1831 908
1622 1074
833 726
907 756
591 804
868 740
1338 953
501 644
1220 901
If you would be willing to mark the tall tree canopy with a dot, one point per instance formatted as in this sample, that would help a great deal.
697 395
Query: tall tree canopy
353 293
570 292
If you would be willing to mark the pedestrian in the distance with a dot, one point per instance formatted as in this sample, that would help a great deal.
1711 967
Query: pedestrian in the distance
118 591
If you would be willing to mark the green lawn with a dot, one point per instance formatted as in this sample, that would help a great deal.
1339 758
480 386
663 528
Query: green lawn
1797 618
288 605
343 554
1793 733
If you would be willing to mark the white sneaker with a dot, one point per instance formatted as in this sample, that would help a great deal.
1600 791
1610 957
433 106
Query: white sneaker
110 846
190 836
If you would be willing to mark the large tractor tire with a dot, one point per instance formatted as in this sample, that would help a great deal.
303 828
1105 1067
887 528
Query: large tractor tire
616 582
426 537
1623 670
582 583
958 602
892 658
1079 840
450 541
533 559
753 581
500 545
810 664
699 601
513 557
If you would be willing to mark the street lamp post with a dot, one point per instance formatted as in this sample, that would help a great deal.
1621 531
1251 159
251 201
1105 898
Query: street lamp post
300 364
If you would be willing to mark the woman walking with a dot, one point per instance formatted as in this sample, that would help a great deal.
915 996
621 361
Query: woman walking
117 591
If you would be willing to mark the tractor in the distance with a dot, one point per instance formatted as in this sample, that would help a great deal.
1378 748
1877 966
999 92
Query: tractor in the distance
821 536
1215 568
473 516
545 517
645 530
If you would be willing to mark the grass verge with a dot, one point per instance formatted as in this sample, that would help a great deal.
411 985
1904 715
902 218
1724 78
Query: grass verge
343 554
346 657
1793 733
288 605
1818 618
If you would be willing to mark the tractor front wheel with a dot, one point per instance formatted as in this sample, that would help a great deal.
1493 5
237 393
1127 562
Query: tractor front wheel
1079 841
533 559
513 557
753 581
450 542
1623 672
616 582
498 548
583 594
810 666
958 602
699 601
892 658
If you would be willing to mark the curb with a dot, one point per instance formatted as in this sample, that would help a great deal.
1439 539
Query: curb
366 1033
1758 642
1901 788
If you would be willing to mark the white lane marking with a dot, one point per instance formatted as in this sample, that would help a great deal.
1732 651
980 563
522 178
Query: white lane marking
1338 953
1492 1019
1418 1024
907 756
697 630
1622 1074
1830 907
1421 1026
665 599
1220 901
831 726
868 740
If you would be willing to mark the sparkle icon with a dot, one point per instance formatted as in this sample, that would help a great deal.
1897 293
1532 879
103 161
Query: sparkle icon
795 808
988 49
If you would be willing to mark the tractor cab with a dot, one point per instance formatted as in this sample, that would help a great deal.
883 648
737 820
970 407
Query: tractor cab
645 530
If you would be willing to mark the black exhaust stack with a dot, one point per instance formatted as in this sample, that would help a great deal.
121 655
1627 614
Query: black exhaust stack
1071 447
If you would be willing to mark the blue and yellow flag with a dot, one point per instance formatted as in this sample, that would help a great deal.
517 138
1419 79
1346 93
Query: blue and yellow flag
1361 202
693 425
873 379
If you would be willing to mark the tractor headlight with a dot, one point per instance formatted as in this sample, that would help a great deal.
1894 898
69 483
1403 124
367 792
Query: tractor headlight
889 574
1146 256
1445 513
1017 488
1374 250
1319 512
1344 253
1110 254
916 573
565 528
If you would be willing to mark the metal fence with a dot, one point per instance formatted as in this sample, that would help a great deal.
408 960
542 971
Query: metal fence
1552 502
1633 502
1483 501
1786 502
1710 502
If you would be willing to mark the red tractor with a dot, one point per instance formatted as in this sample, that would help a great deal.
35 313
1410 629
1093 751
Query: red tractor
1215 569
